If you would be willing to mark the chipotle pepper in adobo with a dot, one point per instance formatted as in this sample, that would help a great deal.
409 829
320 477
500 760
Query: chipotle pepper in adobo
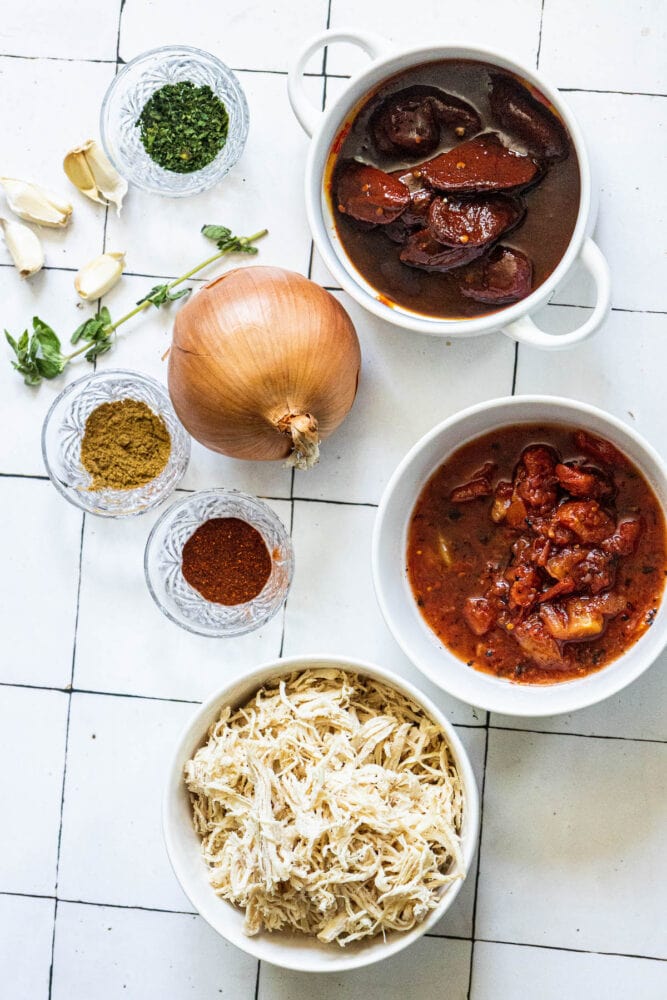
436 168
538 553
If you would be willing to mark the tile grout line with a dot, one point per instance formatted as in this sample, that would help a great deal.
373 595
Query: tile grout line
325 55
430 936
259 972
67 727
473 924
575 951
119 61
76 618
624 93
333 288
310 73
539 37
458 725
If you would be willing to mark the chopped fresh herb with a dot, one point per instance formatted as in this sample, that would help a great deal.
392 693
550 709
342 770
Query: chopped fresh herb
648 569
455 515
183 127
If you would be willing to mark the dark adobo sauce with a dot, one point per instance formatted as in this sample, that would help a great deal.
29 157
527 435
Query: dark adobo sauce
491 101
537 553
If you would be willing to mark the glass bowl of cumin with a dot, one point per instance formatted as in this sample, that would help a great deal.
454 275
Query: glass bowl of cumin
166 566
63 435
128 95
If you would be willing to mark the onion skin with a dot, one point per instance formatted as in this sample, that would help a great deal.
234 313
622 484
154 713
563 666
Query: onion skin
262 359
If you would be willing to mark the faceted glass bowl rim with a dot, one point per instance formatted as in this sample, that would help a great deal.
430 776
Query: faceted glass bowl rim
199 55
221 493
69 390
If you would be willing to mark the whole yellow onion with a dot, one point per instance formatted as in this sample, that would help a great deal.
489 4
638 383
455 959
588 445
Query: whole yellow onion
264 364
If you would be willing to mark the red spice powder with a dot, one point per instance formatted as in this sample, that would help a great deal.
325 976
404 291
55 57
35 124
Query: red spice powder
226 560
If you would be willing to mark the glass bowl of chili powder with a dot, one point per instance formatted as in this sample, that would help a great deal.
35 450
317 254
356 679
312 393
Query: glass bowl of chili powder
219 563
186 119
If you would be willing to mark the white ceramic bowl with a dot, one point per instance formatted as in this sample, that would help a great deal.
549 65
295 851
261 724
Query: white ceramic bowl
514 320
392 587
294 951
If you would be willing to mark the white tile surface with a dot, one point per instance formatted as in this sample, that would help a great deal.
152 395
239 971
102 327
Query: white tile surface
245 35
68 96
458 921
133 648
25 971
431 969
40 28
629 49
332 544
33 726
572 849
615 369
435 23
632 213
263 191
111 847
109 953
408 383
50 295
501 970
636 713
42 558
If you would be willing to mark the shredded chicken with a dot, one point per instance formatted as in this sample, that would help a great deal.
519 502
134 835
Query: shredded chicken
329 804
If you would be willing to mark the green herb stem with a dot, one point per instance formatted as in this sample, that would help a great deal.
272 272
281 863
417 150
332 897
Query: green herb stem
111 327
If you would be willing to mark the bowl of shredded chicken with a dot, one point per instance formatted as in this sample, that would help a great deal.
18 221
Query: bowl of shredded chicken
321 814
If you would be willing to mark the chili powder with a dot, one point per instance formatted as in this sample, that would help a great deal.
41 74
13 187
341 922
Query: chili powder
226 560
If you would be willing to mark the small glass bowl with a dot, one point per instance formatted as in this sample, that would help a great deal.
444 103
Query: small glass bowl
125 100
185 606
62 433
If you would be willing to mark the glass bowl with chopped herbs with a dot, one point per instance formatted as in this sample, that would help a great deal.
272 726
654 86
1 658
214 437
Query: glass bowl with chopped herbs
113 445
174 121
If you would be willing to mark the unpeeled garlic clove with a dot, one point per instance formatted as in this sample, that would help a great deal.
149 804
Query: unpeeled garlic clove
91 171
24 246
36 204
100 275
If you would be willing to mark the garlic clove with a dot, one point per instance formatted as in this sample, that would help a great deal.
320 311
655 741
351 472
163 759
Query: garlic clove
91 171
36 204
100 275
24 246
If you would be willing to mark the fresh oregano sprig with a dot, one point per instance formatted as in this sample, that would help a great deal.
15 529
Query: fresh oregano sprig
38 355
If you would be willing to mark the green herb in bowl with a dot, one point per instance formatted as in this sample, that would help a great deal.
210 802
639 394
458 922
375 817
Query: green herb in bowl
183 127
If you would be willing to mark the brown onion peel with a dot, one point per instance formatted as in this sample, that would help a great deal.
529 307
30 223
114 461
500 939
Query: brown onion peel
264 365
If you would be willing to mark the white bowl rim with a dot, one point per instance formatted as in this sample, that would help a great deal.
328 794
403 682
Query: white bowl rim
543 699
268 947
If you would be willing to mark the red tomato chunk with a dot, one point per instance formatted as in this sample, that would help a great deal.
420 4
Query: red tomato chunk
556 553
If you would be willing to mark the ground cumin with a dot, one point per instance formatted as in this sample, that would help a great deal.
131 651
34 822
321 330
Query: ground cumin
226 560
124 446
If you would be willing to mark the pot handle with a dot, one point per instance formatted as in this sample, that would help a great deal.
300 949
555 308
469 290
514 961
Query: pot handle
306 112
527 332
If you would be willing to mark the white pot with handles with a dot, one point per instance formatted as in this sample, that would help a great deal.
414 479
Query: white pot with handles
323 126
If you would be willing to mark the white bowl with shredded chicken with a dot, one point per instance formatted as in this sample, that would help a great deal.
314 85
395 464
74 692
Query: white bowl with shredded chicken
320 813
